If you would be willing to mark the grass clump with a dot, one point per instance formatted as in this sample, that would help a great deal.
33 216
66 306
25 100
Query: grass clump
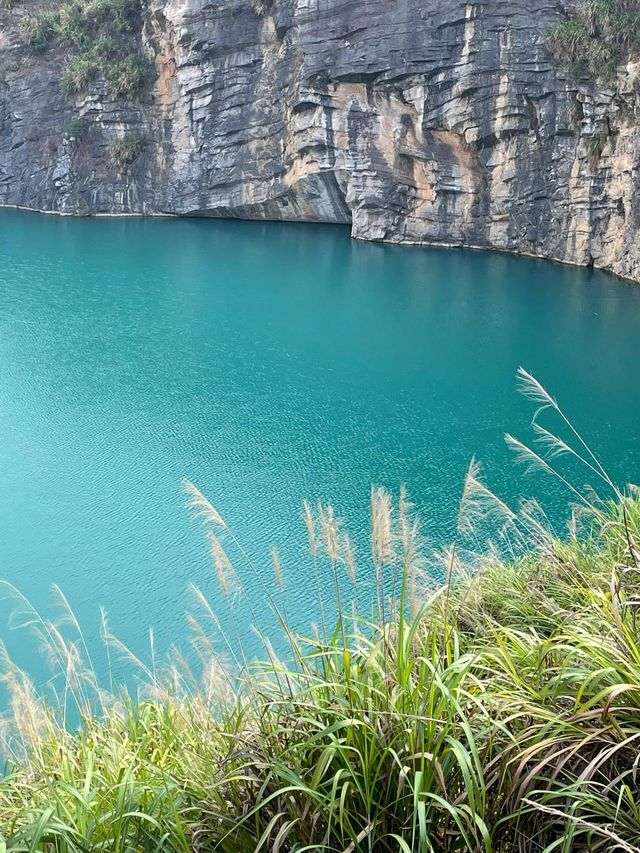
595 40
595 149
38 31
499 712
99 37
124 151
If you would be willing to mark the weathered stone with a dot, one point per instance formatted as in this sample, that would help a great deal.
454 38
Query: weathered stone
418 121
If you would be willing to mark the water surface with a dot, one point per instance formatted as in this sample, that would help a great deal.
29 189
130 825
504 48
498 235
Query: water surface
269 363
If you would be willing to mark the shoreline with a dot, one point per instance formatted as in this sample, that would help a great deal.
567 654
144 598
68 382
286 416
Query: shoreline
416 244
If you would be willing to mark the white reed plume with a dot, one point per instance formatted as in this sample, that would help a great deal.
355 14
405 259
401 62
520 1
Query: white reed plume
535 391
479 503
533 460
277 567
309 522
202 506
223 565
330 527
381 526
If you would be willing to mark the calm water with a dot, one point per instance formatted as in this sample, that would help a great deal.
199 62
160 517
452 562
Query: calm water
269 363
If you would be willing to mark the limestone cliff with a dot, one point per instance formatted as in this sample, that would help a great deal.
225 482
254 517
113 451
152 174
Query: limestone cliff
418 121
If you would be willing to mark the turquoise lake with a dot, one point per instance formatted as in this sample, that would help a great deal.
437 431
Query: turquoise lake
270 363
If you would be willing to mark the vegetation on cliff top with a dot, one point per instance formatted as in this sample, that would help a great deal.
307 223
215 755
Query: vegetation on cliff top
598 37
99 37
499 713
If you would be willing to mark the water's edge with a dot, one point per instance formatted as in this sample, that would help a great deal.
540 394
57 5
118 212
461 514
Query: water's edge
419 244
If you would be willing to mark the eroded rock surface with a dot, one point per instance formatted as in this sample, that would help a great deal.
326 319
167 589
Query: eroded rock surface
418 121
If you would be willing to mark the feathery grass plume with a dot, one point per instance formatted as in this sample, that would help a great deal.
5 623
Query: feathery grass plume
330 529
404 504
445 567
203 602
410 542
479 504
277 567
471 506
332 539
129 657
526 455
382 544
79 691
554 445
224 568
202 506
311 528
27 722
200 640
214 682
463 520
69 618
533 461
104 632
382 537
535 391
309 522
538 530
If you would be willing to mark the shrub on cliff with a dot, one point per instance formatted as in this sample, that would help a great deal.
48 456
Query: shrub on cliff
500 712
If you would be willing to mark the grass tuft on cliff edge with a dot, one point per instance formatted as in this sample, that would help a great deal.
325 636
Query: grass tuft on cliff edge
99 38
595 40
498 712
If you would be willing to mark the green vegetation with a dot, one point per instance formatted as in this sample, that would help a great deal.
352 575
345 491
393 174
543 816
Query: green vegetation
78 129
99 37
500 712
125 151
595 147
598 37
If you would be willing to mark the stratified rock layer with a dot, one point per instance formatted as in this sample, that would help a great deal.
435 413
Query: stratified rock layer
418 121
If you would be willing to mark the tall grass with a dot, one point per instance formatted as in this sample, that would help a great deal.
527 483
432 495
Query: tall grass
500 712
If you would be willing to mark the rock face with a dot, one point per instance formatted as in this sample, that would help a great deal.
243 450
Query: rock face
417 121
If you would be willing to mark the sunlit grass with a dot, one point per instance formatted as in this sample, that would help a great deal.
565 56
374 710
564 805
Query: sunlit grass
500 712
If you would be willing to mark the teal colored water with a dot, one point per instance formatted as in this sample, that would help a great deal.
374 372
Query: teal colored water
269 363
